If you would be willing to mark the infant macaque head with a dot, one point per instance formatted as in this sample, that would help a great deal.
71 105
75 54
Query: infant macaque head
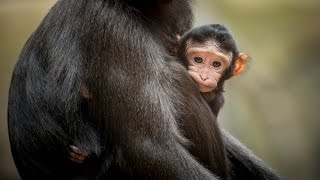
211 56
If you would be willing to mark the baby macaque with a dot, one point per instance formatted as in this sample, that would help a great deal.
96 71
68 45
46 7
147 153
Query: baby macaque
211 56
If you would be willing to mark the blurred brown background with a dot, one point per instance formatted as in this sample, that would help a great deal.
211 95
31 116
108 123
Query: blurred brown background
273 108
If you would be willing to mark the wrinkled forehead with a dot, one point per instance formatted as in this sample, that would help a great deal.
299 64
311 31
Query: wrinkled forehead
209 47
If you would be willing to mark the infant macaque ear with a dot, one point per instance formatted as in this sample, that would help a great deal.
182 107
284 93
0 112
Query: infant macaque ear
240 64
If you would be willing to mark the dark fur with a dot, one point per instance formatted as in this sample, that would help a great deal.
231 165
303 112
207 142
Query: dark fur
145 121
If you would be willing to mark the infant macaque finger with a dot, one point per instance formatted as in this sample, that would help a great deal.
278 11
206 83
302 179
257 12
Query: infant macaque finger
76 160
77 155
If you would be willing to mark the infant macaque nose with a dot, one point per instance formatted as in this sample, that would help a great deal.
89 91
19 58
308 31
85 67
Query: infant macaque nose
204 77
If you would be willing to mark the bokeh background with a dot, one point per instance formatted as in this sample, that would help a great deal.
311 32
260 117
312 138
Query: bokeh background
273 108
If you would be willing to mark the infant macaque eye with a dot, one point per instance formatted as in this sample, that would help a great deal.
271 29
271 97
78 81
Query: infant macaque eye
198 59
216 64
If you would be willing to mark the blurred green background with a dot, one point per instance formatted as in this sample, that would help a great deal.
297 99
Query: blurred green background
273 108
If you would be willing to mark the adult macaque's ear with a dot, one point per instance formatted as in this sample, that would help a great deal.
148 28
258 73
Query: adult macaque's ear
85 92
176 45
240 64
178 37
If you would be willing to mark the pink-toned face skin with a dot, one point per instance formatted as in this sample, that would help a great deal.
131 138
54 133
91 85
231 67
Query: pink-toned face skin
206 64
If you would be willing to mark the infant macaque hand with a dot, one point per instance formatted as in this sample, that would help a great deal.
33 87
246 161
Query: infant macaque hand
76 155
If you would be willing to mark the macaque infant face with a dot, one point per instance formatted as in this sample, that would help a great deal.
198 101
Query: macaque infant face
206 64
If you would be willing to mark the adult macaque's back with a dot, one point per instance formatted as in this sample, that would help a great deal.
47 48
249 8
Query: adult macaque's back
143 118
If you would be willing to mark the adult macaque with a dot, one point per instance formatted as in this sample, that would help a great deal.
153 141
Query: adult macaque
132 117
136 115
